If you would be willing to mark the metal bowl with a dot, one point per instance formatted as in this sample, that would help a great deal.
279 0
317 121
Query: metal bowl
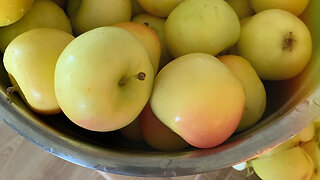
292 105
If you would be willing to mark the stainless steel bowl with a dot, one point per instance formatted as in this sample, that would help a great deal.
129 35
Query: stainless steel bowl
292 105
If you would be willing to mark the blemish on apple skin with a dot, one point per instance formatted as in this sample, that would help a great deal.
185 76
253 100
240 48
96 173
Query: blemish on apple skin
288 42
147 24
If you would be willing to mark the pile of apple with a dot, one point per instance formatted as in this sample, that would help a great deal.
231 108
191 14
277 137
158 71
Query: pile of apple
174 73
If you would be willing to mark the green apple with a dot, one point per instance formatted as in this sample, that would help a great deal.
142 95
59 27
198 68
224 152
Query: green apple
30 60
207 26
103 79
13 10
147 37
159 8
253 87
89 14
199 98
136 8
241 7
158 135
293 163
132 131
294 6
276 43
157 24
43 13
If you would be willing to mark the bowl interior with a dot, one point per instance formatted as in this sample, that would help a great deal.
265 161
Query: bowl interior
291 105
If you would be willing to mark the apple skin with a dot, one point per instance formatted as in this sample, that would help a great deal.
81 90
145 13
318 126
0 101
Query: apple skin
132 131
241 7
199 98
148 38
158 135
159 8
207 26
13 10
313 151
276 43
253 87
157 24
42 14
90 78
89 14
136 8
293 163
30 60
294 6
61 3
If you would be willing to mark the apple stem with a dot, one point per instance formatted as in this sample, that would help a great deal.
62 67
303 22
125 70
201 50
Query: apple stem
11 89
140 76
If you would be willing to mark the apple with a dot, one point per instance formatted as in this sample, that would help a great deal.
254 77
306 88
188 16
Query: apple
159 8
30 61
199 98
61 3
13 10
157 24
207 26
132 131
147 37
294 163
313 151
276 43
303 136
253 87
241 7
158 135
89 14
294 6
103 79
43 13
136 8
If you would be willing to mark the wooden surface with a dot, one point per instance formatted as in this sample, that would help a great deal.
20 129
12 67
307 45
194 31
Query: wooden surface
22 160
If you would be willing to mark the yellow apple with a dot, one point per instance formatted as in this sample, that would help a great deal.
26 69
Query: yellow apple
241 7
61 3
276 43
159 8
293 164
157 24
207 26
253 87
199 98
136 8
43 13
158 135
13 10
303 136
30 60
313 151
103 79
148 38
89 14
294 6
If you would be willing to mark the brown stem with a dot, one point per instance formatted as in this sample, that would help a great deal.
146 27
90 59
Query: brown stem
140 76
11 89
